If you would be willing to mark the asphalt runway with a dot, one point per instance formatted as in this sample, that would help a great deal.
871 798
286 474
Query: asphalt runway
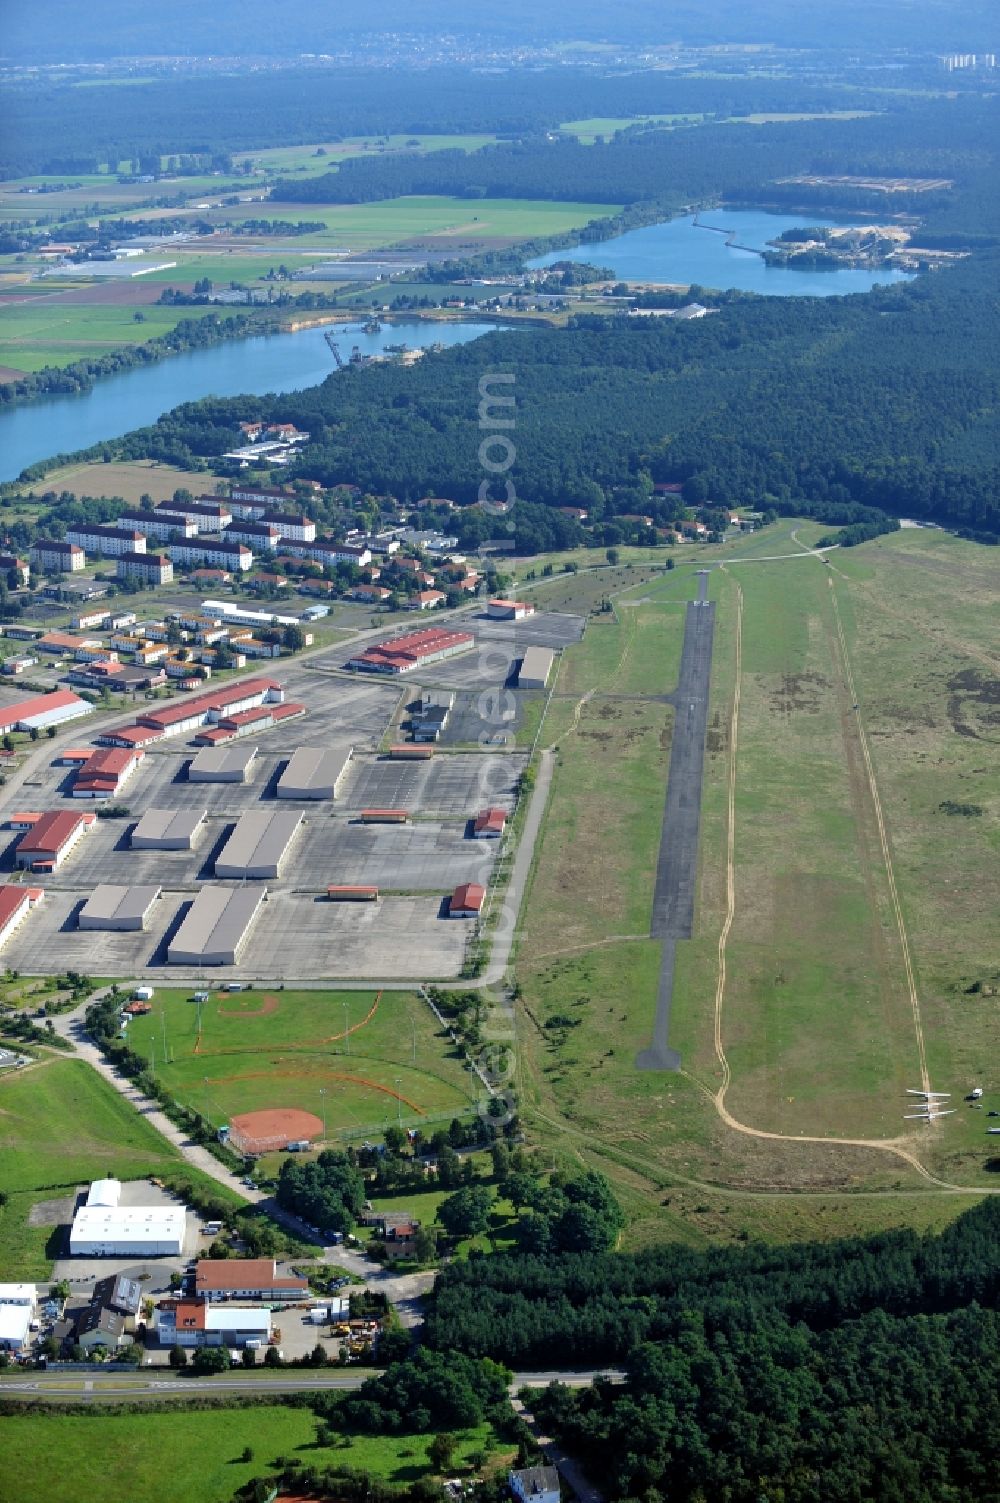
677 864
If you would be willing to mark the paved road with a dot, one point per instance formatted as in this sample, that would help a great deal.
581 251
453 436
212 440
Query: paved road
677 864
503 936
87 1387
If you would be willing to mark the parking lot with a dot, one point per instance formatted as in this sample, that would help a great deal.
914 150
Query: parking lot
460 784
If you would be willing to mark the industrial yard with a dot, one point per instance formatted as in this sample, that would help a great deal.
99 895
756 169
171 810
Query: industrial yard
208 854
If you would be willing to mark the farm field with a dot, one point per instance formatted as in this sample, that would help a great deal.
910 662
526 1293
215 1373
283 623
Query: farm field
131 481
361 1059
60 1458
57 333
817 1021
285 161
392 220
60 1126
587 131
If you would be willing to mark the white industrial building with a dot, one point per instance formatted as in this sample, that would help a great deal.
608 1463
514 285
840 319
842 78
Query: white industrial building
199 1323
15 1326
536 666
105 1192
100 1231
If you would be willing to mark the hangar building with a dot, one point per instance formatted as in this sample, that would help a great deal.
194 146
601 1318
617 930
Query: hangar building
314 774
536 665
257 848
216 926
218 764
118 908
168 829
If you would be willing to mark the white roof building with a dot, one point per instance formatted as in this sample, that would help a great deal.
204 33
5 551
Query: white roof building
15 1324
18 1294
139 1231
105 1192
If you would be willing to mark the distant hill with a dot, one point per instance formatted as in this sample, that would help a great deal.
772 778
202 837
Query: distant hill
52 31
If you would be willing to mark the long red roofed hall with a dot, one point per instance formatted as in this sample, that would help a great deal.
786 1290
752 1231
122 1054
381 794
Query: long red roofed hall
403 654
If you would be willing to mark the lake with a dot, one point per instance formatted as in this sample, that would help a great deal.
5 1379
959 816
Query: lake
679 250
135 398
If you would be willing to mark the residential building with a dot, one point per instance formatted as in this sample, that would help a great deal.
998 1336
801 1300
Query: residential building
324 551
51 556
106 542
219 553
10 564
159 525
426 600
535 1484
207 515
150 568
294 525
261 536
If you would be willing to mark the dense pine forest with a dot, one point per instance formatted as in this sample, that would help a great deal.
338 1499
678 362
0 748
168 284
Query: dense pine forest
863 1369
887 400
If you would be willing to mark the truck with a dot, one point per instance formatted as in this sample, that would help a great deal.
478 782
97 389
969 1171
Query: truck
142 994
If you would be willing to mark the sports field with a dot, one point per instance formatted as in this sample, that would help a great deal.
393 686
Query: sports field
356 1060
60 1126
820 1029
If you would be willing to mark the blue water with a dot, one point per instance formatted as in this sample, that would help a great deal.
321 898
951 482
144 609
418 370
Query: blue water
680 251
266 363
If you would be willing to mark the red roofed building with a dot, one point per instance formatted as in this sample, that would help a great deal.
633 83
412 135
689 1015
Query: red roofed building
130 735
245 1278
414 650
50 840
15 904
43 710
206 709
105 773
509 610
489 824
467 901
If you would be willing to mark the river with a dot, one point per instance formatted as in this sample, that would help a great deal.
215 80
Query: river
266 363
679 250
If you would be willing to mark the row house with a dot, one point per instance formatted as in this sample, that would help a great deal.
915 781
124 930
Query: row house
106 542
155 524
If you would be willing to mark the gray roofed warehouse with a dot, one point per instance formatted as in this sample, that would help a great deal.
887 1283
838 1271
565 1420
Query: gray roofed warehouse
258 845
215 926
536 665
222 764
111 907
168 829
312 773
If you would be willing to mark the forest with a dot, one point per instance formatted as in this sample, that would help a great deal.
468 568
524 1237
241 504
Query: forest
938 139
752 1372
886 400
55 128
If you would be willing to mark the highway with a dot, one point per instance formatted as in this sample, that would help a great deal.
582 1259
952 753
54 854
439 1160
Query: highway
677 864
164 1383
